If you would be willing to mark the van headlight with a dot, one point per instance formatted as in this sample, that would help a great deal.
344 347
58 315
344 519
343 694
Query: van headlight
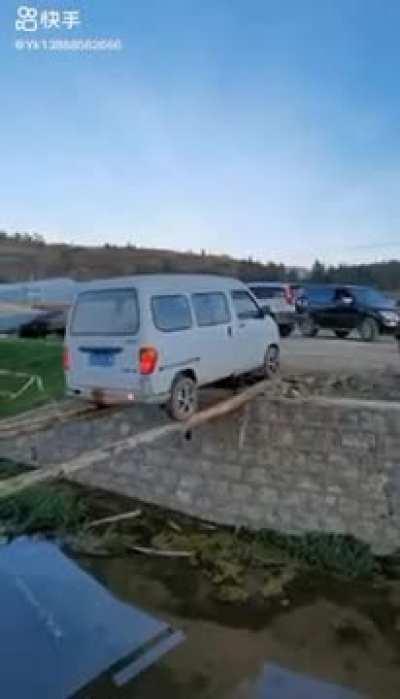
389 317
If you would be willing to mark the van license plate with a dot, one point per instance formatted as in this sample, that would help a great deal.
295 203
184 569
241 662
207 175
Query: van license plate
101 359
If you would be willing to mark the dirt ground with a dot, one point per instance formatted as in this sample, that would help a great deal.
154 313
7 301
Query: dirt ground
337 368
326 353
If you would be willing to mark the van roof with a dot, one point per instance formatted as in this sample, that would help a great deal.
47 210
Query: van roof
164 282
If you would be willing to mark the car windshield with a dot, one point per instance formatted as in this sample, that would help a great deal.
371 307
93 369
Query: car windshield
371 297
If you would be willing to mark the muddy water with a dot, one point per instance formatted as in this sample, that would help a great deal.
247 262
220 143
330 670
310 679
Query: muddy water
345 633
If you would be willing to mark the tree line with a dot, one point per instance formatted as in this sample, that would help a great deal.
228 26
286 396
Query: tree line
384 275
79 262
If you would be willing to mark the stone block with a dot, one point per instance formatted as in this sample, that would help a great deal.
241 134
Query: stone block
358 441
241 492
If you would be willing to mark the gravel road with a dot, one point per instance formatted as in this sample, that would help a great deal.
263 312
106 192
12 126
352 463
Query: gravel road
328 354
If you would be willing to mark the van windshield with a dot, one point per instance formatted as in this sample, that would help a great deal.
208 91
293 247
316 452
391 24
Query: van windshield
106 312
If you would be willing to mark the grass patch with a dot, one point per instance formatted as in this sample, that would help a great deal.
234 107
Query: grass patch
9 469
327 553
45 508
41 357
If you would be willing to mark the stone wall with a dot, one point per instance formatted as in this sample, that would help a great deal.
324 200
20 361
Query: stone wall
290 465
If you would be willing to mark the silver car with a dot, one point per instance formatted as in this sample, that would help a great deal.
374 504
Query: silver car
279 299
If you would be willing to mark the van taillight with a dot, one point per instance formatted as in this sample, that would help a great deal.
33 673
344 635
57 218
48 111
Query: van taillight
66 359
147 360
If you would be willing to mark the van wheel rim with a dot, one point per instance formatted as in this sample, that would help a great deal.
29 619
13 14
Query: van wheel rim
186 399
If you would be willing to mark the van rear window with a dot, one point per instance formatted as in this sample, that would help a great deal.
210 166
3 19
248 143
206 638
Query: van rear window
106 312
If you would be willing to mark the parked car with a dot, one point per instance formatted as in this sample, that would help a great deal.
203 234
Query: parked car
343 308
279 299
158 338
44 324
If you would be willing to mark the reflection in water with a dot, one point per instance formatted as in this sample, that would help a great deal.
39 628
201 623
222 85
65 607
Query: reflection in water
60 628
278 683
335 635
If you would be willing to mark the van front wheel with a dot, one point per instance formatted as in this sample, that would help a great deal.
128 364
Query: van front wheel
184 399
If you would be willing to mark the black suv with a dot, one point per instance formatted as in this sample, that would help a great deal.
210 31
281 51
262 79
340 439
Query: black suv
343 308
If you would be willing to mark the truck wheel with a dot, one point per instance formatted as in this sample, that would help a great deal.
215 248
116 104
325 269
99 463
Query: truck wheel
285 330
271 362
369 330
308 327
184 399
342 334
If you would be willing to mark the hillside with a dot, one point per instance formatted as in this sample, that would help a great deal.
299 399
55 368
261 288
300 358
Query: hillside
29 259
24 257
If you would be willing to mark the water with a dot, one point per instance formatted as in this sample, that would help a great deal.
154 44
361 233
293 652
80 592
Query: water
59 628
338 632
325 639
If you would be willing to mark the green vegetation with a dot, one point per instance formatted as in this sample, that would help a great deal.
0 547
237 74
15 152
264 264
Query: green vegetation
44 508
40 357
10 469
384 275
237 565
328 553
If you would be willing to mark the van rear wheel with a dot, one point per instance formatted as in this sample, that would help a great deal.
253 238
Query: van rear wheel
184 399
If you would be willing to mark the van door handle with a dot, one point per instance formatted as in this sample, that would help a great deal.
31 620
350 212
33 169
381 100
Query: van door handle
229 331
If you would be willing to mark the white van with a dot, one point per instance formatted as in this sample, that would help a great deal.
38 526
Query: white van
157 338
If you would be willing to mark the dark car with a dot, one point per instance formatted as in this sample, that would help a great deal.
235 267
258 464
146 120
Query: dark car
343 308
45 324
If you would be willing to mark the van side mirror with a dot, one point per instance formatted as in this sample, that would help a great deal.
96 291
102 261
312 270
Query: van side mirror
264 312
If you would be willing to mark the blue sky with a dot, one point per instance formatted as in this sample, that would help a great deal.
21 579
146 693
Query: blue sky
262 128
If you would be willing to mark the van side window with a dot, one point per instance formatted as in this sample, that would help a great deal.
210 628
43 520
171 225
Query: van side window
211 308
245 306
171 313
